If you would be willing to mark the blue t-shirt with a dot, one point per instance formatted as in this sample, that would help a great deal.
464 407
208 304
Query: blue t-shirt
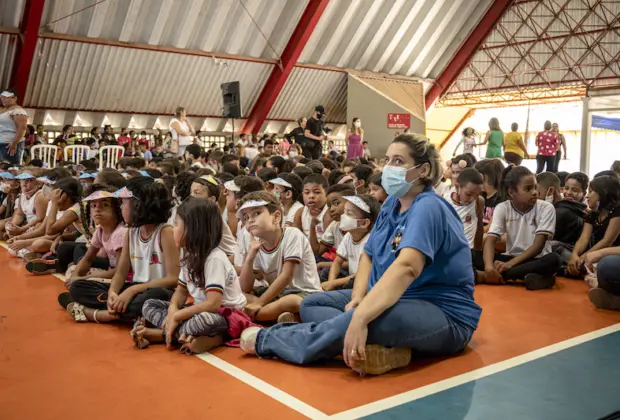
432 227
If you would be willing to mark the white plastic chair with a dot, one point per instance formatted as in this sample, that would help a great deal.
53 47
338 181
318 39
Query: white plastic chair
109 156
48 153
76 153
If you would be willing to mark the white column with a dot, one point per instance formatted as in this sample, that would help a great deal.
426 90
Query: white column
586 127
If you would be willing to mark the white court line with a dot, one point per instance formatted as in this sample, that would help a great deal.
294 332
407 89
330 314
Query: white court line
264 387
405 397
256 383
396 400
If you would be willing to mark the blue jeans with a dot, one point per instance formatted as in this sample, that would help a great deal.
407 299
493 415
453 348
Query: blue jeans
416 324
607 274
16 158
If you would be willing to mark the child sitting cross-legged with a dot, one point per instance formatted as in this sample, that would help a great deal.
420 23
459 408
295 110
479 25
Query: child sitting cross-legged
284 256
528 223
206 275
149 252
360 213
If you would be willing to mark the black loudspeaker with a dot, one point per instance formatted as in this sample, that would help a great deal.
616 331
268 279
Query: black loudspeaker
232 100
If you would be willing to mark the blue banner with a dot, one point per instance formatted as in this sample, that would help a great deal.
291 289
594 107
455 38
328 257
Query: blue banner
605 123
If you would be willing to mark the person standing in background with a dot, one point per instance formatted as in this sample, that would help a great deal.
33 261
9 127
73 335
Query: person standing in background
547 143
13 122
561 143
158 138
182 131
108 136
495 140
468 141
124 138
514 147
296 136
41 135
314 134
354 139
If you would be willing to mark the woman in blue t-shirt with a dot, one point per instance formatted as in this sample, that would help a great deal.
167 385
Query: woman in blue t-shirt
414 285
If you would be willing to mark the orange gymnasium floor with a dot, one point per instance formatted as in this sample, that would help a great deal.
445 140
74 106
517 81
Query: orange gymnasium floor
537 355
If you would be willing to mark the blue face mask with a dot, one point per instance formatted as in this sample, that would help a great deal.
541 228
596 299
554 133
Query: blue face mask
393 180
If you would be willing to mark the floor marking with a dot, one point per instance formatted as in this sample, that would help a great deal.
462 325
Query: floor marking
264 387
396 400
408 396
256 383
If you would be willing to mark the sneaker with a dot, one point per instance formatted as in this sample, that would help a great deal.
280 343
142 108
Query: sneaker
32 256
41 266
535 281
288 317
248 340
591 280
12 253
604 300
64 299
380 360
22 253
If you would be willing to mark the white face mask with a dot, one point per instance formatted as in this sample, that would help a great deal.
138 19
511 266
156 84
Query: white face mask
357 124
347 223
549 197
47 190
5 188
292 154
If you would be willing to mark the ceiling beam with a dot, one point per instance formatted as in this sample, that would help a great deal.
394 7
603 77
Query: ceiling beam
280 74
467 50
31 20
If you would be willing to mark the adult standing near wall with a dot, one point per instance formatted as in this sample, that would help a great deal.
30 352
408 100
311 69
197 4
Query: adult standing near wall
514 147
314 134
494 139
561 145
182 131
414 286
13 123
547 143
354 139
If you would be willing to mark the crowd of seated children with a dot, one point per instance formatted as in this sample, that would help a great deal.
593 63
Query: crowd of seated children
469 205
360 213
529 224
601 227
284 255
62 195
570 209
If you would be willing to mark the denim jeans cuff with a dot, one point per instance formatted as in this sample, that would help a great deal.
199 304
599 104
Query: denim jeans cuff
261 341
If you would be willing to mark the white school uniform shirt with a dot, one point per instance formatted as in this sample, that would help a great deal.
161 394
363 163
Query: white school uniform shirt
469 217
522 228
442 188
290 216
306 221
228 244
27 206
220 276
333 236
295 247
59 213
352 251
146 256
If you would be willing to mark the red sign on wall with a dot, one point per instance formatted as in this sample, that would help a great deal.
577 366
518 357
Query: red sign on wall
399 121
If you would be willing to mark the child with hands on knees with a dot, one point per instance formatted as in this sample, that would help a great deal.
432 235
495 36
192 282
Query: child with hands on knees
149 251
102 208
284 256
30 207
360 213
206 275
529 224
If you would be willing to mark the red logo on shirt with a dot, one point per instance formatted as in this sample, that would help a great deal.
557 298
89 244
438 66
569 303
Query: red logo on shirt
468 219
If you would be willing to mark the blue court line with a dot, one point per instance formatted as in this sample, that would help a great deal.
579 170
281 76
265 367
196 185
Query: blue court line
581 383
